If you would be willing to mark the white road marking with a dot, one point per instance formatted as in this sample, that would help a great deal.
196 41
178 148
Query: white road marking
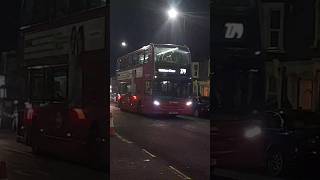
179 173
240 175
147 152
123 139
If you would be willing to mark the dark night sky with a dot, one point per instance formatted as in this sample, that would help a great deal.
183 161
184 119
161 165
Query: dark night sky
9 13
140 22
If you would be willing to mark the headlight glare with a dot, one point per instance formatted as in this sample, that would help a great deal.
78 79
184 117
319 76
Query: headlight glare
157 103
252 132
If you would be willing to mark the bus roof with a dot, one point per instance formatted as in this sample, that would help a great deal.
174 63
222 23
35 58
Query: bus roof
157 45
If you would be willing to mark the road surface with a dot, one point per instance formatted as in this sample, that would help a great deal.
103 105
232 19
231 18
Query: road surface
183 143
23 165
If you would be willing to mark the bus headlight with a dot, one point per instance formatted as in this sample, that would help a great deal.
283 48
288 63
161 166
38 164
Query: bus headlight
252 132
157 103
189 103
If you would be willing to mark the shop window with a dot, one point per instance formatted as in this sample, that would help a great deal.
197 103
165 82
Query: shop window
305 94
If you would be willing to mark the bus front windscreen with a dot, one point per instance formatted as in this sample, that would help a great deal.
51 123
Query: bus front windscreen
170 55
172 88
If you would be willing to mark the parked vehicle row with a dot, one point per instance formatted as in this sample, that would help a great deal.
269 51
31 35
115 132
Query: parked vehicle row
275 141
201 106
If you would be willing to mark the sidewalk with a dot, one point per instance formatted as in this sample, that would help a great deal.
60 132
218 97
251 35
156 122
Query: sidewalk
128 161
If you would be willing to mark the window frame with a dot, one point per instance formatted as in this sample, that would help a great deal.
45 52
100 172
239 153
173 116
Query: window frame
194 64
46 74
54 71
268 8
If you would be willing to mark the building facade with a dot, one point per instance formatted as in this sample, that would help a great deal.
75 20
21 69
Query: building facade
291 34
201 78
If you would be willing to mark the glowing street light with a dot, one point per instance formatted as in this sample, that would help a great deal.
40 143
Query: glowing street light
173 13
123 44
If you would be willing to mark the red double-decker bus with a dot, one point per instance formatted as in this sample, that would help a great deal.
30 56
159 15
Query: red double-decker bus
63 61
156 79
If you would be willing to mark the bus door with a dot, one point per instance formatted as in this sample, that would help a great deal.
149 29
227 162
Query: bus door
47 94
56 109
125 94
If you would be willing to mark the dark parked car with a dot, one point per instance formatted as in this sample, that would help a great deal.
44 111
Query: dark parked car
277 141
201 106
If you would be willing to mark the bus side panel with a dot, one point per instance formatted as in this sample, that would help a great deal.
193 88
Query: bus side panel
95 89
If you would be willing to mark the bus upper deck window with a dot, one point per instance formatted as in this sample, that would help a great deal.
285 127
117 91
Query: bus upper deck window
135 59
141 58
146 57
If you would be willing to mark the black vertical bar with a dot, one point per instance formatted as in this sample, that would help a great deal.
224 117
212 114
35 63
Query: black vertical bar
107 51
212 60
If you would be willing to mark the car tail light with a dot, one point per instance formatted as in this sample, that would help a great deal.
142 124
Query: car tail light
134 97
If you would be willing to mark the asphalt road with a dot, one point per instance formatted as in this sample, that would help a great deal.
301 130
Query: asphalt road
183 143
23 165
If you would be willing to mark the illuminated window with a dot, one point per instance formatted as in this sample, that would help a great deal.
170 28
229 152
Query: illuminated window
147 55
141 58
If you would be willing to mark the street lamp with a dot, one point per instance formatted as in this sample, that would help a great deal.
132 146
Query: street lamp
173 13
123 44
